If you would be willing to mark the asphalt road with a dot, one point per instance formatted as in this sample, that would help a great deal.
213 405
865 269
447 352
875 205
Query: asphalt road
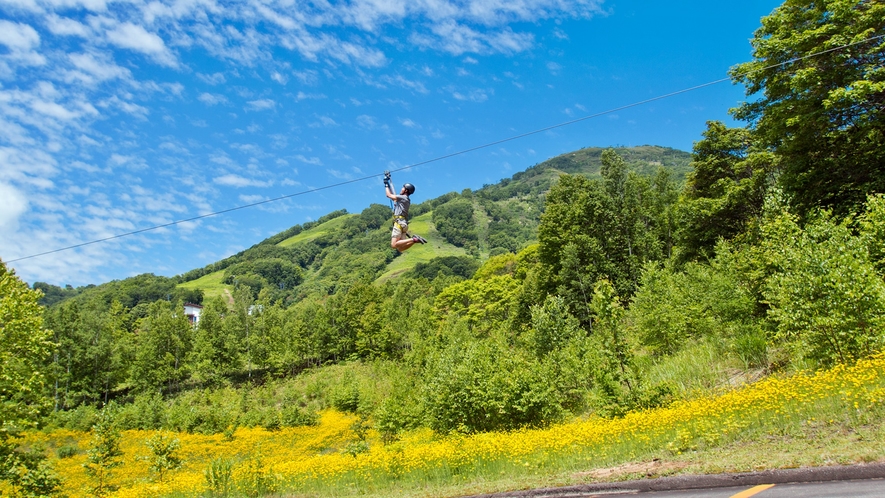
863 481
868 488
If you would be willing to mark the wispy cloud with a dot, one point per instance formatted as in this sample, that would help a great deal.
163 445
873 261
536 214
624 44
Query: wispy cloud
341 175
94 68
64 26
12 204
137 38
323 121
475 95
309 160
261 104
231 180
212 79
249 199
309 96
211 98
21 40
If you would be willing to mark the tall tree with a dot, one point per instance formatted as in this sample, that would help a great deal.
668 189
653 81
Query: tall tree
214 353
24 345
164 339
818 65
724 192
594 229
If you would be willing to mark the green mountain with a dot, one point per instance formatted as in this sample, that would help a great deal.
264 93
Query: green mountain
340 248
463 229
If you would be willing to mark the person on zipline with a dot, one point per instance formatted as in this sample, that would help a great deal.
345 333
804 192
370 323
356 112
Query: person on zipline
400 238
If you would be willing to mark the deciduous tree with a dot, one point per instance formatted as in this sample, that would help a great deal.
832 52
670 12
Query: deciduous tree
724 192
819 69
24 345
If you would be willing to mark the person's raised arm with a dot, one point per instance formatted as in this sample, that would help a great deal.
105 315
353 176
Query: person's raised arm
388 189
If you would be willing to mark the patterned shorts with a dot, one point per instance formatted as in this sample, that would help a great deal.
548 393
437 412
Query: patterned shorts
400 228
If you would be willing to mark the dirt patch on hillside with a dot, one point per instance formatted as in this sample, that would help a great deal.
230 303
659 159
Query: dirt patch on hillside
653 468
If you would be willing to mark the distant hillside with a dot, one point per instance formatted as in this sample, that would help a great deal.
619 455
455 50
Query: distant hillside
339 249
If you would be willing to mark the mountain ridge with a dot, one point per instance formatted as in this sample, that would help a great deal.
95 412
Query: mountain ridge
340 248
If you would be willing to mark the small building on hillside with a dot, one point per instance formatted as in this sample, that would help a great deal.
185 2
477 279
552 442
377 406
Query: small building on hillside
192 312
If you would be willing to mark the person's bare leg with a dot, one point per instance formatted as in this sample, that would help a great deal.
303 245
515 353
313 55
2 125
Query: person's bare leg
402 244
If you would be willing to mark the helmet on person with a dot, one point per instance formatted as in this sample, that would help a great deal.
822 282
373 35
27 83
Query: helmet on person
410 189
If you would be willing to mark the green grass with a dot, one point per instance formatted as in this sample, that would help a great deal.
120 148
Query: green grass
211 284
317 231
701 366
421 253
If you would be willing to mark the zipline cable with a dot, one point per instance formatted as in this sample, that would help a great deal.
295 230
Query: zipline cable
453 154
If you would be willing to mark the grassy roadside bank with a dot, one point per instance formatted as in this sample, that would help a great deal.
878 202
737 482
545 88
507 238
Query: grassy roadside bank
829 417
824 445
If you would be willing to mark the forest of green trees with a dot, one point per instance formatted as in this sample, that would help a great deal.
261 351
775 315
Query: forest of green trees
579 279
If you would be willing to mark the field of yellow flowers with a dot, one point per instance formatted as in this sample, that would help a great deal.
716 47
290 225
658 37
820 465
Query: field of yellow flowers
329 459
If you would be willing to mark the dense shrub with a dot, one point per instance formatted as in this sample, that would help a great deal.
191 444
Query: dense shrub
826 297
673 306
484 386
146 412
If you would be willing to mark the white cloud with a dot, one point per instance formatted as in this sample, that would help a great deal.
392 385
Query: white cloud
212 79
366 121
340 174
507 41
13 203
231 180
308 77
18 36
54 110
93 68
64 26
472 96
312 96
80 165
309 160
212 99
251 199
324 121
133 163
21 40
261 104
336 154
400 81
408 123
127 107
135 37
497 12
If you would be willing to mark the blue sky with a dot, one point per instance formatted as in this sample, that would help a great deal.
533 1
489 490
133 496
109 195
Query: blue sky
121 115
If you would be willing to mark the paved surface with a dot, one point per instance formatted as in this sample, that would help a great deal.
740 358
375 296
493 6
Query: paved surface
864 488
704 484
